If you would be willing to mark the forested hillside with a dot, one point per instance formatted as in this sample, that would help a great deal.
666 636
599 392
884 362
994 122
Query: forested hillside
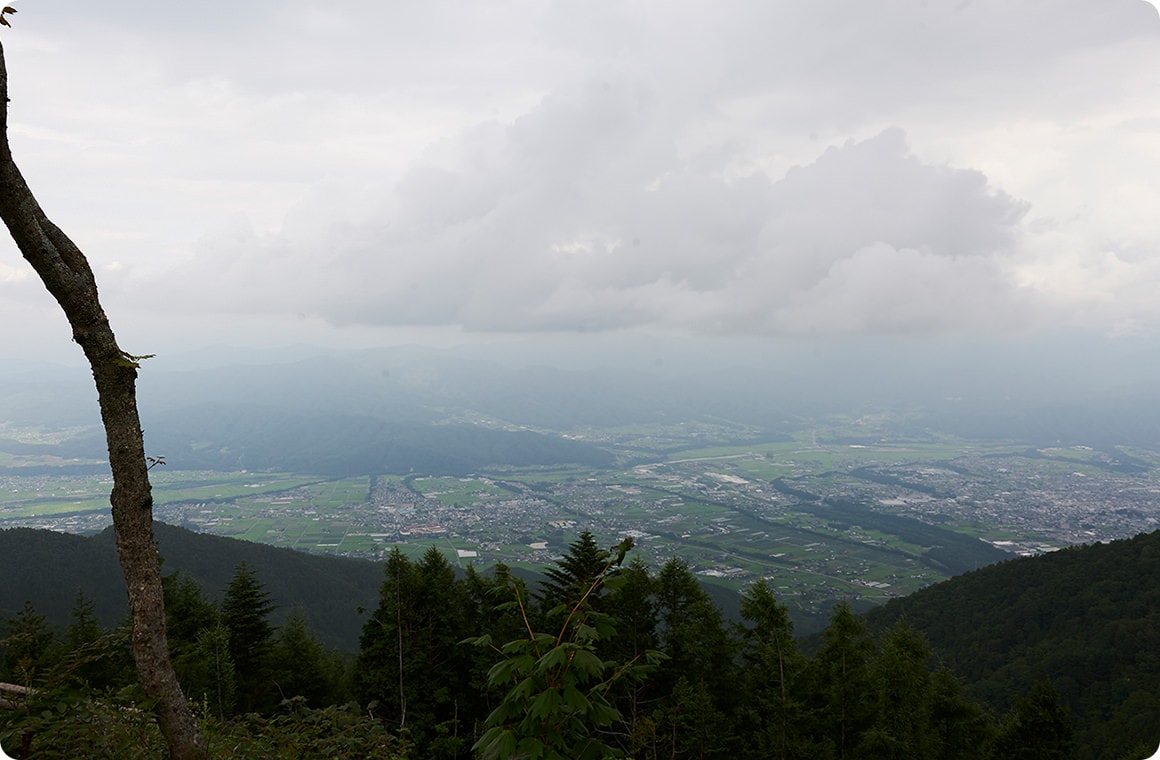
50 568
1087 619
605 657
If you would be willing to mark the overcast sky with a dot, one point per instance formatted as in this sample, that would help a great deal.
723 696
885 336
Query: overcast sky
354 171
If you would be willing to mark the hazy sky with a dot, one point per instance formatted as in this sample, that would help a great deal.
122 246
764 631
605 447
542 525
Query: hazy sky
330 172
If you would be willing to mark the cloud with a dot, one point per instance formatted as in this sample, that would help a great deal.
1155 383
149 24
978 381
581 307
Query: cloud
746 168
582 215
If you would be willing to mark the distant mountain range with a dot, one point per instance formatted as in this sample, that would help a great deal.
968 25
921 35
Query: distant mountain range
334 404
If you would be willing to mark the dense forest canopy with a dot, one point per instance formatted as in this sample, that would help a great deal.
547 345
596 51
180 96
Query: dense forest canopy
606 656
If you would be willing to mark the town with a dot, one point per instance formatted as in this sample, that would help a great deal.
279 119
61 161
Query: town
822 519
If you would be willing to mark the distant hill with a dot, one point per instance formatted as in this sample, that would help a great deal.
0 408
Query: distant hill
48 569
225 437
1087 619
258 437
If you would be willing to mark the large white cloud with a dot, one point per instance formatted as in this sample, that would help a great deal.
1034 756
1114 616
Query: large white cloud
580 215
746 167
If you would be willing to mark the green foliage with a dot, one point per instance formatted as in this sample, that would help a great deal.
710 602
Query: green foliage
62 715
555 701
842 681
1087 619
567 682
411 671
58 723
581 568
773 668
245 614
1039 728
298 732
208 671
303 668
29 645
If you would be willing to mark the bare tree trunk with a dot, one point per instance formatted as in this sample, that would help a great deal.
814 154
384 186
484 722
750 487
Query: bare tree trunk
67 275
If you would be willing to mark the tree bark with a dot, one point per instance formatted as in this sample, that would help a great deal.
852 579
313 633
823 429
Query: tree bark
66 273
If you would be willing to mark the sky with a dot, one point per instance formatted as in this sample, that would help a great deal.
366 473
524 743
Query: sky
357 173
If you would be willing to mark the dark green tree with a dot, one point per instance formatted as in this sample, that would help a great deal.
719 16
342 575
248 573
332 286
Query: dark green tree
555 704
690 725
246 609
963 728
411 670
96 658
1038 728
208 671
692 720
303 667
843 706
200 644
772 668
380 676
29 648
631 604
574 573
441 674
187 611
900 684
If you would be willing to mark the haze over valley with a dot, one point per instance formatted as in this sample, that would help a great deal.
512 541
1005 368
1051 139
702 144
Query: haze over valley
842 475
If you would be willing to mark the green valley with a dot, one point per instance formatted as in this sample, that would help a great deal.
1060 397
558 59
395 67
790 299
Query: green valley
834 511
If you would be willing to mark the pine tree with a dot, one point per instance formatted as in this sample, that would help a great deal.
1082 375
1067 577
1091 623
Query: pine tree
632 606
29 647
963 729
187 611
208 670
1038 728
380 674
700 655
575 573
440 672
901 690
246 609
95 658
304 668
772 666
841 682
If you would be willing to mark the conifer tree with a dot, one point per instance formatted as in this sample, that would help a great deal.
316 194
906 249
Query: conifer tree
631 604
187 611
963 729
303 667
901 690
841 674
1038 728
439 664
695 687
692 633
380 672
246 609
29 647
208 670
575 573
95 658
772 667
